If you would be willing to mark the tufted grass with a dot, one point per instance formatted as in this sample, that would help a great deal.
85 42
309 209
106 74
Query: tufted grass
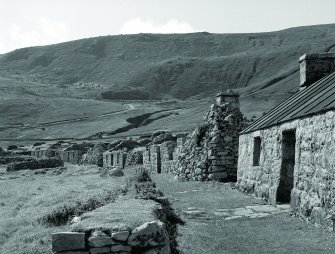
27 197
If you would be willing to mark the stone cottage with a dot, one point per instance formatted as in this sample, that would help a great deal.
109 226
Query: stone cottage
288 155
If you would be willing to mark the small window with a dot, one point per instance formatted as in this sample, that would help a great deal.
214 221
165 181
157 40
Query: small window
170 156
257 151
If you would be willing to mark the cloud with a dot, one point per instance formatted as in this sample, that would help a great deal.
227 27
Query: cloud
139 25
46 31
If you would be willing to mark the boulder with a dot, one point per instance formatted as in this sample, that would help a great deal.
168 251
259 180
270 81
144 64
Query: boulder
149 234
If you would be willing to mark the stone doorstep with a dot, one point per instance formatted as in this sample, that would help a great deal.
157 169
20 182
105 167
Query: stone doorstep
66 241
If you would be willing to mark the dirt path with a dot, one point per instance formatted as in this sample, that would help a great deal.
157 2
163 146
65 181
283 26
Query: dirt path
220 219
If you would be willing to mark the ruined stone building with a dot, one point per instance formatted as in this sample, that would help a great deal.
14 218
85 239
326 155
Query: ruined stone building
162 158
211 151
114 158
288 155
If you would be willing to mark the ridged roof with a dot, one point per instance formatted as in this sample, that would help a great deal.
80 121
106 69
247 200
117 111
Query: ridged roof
316 98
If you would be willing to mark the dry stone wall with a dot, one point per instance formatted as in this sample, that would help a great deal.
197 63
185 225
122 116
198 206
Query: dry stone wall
313 193
151 237
134 158
127 226
211 151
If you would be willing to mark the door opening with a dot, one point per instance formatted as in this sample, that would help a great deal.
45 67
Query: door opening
287 167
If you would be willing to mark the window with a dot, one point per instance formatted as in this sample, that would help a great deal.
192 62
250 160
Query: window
257 151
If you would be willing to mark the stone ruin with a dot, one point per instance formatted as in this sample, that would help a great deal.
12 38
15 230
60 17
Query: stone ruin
211 150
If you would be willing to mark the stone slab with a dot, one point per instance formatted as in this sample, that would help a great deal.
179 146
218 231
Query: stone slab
65 241
120 236
120 248
100 250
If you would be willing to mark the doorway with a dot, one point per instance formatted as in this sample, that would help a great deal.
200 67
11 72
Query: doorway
287 167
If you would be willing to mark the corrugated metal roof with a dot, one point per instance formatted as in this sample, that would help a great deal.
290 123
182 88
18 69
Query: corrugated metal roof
316 98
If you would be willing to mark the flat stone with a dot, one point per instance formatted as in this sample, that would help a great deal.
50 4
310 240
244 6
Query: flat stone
149 234
100 250
119 248
120 236
263 208
233 217
221 214
73 252
195 212
243 212
284 207
198 171
258 215
99 239
66 241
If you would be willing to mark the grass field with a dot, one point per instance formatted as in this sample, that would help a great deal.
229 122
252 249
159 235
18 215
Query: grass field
26 196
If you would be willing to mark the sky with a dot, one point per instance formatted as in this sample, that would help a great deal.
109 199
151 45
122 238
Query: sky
26 23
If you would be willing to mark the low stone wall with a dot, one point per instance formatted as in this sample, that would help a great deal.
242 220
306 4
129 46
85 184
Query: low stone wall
313 193
119 227
15 158
35 164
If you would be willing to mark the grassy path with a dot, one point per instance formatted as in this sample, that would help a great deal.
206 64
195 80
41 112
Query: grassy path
220 219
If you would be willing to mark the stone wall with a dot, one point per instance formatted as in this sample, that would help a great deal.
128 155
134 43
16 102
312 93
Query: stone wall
211 151
163 158
114 159
126 226
313 193
134 158
168 156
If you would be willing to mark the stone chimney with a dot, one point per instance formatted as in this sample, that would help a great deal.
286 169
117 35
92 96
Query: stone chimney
228 97
314 67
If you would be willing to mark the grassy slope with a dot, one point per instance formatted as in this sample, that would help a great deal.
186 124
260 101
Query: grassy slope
25 197
179 65
41 83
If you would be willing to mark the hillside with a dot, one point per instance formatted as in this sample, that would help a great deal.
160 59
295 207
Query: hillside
263 67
